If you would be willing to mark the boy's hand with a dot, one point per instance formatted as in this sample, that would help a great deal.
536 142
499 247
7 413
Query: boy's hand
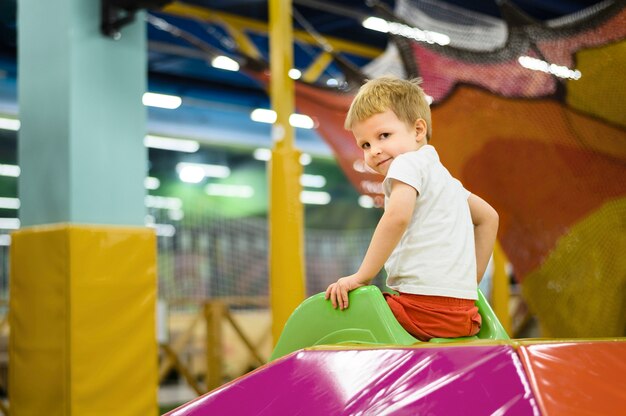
338 291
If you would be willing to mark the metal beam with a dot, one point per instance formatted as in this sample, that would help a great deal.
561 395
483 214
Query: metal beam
259 27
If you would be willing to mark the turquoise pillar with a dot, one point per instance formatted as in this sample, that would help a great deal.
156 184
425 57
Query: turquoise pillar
83 287
81 141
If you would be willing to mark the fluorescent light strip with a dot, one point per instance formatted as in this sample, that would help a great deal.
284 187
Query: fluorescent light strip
9 223
366 201
262 154
191 174
170 143
151 183
211 171
381 25
233 191
305 159
10 170
225 63
163 202
314 197
170 102
9 124
263 115
543 66
295 73
312 181
9 203
302 121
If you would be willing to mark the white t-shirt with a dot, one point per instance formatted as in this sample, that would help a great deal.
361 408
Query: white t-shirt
436 254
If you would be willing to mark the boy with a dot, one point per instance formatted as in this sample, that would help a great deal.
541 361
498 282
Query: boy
434 238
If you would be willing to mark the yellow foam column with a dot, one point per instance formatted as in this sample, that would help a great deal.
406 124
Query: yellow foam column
287 289
82 321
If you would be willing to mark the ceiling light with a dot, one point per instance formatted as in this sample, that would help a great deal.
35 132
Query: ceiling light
9 223
233 191
10 170
191 174
170 143
9 203
381 25
163 202
9 124
224 62
263 115
305 159
312 181
151 183
302 121
376 23
366 201
543 66
170 102
262 154
314 197
295 73
212 171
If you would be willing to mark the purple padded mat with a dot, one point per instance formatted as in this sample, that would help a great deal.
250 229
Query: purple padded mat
447 380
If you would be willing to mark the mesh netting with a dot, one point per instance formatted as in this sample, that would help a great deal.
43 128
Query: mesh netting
530 116
212 256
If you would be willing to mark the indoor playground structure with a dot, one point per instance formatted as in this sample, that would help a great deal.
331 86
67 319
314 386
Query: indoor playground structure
360 361
546 146
528 112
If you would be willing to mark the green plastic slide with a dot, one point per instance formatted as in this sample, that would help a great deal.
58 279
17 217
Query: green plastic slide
368 320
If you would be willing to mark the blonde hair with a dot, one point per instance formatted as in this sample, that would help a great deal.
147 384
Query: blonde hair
404 97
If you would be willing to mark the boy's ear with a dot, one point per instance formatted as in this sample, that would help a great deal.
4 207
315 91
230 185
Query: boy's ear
420 129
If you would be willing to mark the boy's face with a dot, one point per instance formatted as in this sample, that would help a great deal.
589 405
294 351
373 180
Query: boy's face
383 136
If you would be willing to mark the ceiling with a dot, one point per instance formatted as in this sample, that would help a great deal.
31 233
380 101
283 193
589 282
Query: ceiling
335 19
217 103
184 36
330 19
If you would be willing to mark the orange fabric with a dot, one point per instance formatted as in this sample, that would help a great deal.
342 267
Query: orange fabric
427 317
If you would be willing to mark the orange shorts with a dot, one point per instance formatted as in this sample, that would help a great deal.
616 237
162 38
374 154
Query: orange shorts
427 317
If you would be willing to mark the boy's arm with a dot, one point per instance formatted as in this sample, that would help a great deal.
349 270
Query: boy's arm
389 231
485 220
